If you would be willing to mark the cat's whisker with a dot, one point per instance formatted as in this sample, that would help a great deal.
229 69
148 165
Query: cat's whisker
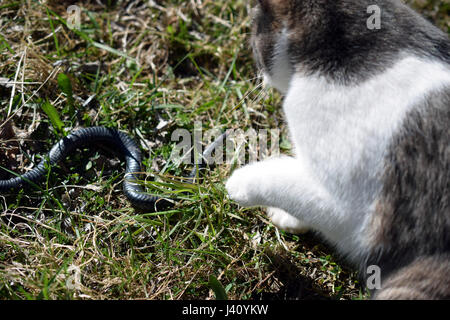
251 79
245 97
266 93
261 94
259 79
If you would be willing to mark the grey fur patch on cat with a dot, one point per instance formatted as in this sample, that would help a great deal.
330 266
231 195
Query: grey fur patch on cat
424 279
413 213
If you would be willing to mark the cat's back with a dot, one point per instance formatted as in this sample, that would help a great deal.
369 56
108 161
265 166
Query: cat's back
411 221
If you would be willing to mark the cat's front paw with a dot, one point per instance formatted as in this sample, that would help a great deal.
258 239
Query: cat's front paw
240 187
284 221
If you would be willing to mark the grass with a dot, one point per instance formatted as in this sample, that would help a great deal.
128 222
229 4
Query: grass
147 68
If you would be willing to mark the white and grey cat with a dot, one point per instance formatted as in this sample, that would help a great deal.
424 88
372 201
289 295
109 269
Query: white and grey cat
368 111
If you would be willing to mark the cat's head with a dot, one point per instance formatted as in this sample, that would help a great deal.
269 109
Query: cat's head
335 38
284 33
270 42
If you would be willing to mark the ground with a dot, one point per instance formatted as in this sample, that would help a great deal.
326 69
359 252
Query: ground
147 68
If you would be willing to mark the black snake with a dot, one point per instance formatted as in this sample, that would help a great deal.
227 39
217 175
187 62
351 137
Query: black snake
126 147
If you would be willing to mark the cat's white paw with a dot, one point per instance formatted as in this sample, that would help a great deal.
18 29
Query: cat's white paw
284 221
239 186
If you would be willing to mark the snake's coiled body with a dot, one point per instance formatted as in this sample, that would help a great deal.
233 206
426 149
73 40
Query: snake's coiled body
125 146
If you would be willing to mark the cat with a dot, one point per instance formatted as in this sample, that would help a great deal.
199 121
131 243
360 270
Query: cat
368 113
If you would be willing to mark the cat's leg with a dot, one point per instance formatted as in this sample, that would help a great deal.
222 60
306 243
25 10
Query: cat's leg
284 221
285 183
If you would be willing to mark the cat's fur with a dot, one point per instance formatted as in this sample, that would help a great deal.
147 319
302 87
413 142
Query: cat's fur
369 117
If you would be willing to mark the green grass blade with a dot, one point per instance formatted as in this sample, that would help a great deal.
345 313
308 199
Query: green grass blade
53 115
217 288
66 87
